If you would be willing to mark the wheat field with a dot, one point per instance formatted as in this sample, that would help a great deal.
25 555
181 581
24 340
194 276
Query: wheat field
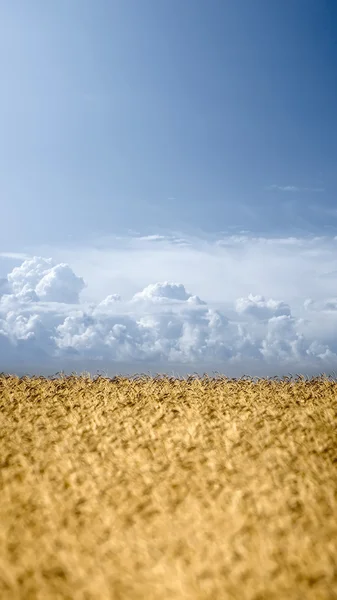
161 488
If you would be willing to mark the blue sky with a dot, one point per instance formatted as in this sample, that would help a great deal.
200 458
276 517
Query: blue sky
196 121
108 109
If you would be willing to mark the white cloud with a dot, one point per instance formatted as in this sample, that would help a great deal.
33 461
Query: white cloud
166 292
282 341
218 271
41 279
260 308
60 284
4 286
153 238
109 301
294 188
29 273
14 255
328 305
43 318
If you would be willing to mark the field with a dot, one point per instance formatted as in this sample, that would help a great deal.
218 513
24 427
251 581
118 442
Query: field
158 488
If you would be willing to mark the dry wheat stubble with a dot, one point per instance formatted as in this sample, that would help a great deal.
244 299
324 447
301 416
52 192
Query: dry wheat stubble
165 488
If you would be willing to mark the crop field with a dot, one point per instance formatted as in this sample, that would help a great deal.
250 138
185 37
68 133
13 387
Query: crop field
161 488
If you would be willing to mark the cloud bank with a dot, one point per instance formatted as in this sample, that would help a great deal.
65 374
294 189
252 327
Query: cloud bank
46 325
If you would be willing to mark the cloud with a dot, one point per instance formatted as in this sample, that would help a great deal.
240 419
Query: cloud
260 308
60 284
294 188
282 341
219 271
109 301
14 255
45 319
328 305
39 279
153 238
172 239
166 292
4 286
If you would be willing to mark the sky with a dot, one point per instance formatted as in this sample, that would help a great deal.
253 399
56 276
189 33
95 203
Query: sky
168 183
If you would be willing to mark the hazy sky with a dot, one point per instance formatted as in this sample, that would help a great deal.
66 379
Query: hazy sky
195 121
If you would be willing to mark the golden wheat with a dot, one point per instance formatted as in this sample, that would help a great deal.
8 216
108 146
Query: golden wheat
160 488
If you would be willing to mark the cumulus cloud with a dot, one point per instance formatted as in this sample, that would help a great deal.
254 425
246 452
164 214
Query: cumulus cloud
43 318
260 308
282 340
40 279
109 301
60 284
166 292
